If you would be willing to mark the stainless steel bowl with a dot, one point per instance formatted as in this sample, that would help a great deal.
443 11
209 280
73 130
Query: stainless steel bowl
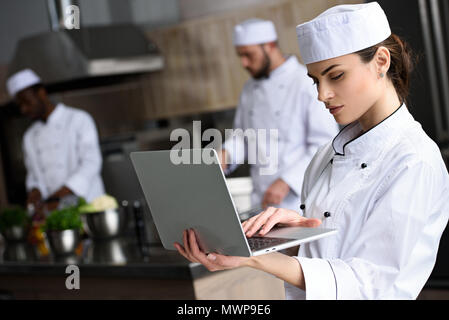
104 224
112 251
19 251
16 233
63 242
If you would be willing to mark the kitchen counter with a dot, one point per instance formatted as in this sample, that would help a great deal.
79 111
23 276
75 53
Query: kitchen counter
108 269
117 269
114 257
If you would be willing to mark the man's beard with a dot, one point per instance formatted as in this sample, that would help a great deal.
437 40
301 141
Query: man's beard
264 71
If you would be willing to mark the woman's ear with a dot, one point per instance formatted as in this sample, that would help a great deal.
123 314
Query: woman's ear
382 61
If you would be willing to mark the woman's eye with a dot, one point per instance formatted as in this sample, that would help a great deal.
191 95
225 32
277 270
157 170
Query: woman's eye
338 77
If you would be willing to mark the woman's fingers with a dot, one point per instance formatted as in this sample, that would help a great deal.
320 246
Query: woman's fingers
190 250
209 260
212 261
188 246
194 248
181 250
265 221
185 241
271 222
248 223
259 221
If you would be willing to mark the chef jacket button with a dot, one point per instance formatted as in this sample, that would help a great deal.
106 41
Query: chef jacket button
327 214
364 165
302 206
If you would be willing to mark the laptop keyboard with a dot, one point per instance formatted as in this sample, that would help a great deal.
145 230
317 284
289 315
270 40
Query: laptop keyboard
258 243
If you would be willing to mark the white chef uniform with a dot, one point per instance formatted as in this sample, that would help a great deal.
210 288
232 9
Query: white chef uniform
286 101
387 193
64 151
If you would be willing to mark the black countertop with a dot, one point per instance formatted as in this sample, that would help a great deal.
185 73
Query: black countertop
117 257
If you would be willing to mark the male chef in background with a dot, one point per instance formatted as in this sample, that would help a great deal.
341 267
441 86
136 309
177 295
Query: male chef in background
61 149
278 96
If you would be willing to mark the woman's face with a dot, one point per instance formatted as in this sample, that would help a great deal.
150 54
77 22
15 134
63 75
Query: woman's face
347 86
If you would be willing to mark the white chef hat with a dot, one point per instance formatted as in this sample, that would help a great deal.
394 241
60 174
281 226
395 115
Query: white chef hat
254 31
342 30
21 80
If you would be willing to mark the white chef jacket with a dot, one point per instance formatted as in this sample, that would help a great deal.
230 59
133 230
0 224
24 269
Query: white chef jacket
64 151
286 101
387 193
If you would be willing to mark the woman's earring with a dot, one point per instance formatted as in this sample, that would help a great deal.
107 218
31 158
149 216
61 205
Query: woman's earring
381 75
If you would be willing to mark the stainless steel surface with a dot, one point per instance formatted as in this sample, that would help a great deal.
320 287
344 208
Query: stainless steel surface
434 47
89 52
16 233
104 224
19 251
64 241
111 251
58 13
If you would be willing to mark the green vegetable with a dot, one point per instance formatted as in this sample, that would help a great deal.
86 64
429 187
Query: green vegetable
63 219
102 203
13 216
81 202
87 208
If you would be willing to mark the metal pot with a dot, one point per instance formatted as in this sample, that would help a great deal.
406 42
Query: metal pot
16 233
63 242
112 251
104 224
19 251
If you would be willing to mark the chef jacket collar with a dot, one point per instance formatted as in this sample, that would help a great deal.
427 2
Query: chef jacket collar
290 64
350 143
56 116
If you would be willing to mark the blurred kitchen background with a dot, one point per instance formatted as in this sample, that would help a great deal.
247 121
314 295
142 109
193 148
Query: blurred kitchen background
142 68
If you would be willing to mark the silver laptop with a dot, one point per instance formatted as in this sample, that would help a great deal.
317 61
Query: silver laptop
184 193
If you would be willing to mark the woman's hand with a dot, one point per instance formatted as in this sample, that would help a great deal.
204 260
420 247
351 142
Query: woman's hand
212 261
284 267
266 220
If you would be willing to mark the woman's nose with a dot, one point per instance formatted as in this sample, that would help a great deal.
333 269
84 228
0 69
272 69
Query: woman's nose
325 93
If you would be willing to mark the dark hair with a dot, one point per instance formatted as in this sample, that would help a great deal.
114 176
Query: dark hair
37 86
401 65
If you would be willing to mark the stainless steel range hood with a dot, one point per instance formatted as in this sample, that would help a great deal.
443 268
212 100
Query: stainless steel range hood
96 51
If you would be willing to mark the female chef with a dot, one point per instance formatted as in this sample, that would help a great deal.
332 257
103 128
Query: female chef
381 181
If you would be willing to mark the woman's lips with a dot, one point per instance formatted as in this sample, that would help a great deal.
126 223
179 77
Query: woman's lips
334 109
